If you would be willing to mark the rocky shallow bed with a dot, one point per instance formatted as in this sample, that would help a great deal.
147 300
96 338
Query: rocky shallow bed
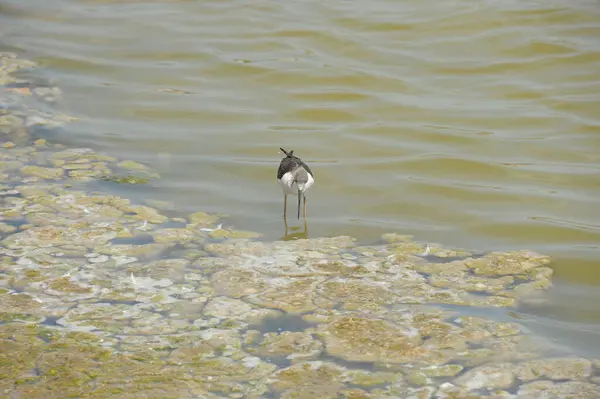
104 298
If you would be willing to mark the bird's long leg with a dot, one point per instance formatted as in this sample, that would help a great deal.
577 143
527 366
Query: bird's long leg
304 206
284 205
305 229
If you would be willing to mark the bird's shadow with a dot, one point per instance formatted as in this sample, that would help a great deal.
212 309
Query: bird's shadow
292 233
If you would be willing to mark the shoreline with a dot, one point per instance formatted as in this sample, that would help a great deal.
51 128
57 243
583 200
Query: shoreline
94 287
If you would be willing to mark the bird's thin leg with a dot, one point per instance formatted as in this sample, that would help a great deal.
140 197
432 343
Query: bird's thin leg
284 205
304 206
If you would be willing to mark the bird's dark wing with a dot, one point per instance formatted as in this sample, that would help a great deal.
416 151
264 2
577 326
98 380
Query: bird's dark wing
287 165
305 166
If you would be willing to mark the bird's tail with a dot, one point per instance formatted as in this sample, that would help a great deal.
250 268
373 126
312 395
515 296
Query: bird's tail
287 154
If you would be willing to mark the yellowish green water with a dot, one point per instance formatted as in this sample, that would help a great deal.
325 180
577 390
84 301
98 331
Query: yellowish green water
470 123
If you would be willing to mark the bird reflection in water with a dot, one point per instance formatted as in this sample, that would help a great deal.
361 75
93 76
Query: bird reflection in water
293 233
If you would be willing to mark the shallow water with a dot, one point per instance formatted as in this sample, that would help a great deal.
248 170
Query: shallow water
474 124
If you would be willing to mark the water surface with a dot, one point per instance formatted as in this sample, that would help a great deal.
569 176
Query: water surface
471 123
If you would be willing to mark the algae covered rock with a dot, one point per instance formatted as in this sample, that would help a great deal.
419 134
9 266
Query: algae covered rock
75 365
201 219
41 172
6 228
81 155
224 307
233 234
171 269
555 369
235 283
122 319
489 377
66 285
309 380
181 236
558 390
60 235
397 238
359 339
289 295
487 328
464 281
132 165
142 212
230 249
356 294
148 251
293 346
510 263
447 370
18 303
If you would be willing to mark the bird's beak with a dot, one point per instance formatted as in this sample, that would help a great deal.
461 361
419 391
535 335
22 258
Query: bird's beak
299 194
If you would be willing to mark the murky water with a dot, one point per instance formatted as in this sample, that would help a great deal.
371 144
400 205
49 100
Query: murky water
473 124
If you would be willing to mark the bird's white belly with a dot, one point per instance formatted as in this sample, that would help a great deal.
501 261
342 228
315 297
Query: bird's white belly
289 186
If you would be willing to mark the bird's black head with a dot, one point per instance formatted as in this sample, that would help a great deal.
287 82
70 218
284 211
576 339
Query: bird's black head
287 154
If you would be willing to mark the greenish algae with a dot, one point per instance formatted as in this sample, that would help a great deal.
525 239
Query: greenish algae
19 303
128 179
202 219
44 173
65 284
310 380
356 338
32 274
340 268
241 234
72 368
10 317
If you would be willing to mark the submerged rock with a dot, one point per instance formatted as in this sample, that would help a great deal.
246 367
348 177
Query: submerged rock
6 228
287 294
234 283
201 219
81 155
558 390
43 173
126 251
555 369
498 376
224 307
233 234
171 269
132 165
293 346
181 236
142 212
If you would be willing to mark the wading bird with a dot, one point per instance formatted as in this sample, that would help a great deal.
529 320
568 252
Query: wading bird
295 178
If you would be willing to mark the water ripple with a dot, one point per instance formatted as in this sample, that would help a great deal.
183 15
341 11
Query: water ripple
473 123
